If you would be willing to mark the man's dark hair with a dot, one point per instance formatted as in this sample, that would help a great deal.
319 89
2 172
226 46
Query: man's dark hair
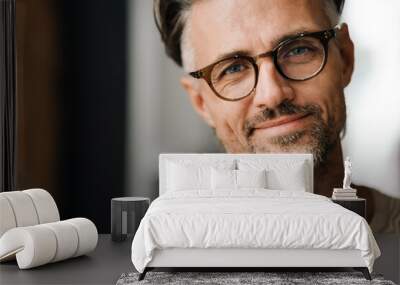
168 15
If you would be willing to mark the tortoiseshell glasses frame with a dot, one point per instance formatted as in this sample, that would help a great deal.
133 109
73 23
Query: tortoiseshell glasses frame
299 58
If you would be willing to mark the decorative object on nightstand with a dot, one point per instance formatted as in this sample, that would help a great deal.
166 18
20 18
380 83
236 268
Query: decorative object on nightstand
126 214
347 196
347 192
357 205
347 173
344 194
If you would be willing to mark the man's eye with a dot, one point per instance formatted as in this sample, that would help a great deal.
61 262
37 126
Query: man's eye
230 70
235 68
298 51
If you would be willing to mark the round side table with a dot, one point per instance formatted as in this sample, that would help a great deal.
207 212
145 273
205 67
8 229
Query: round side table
126 214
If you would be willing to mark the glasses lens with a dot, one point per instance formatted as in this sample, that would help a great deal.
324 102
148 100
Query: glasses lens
301 58
233 78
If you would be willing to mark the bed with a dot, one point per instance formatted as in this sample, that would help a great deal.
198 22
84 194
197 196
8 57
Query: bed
247 211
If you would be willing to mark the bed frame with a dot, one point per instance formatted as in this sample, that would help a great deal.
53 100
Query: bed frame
250 258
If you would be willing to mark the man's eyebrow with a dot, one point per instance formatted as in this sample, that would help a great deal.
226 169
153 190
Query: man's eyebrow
274 43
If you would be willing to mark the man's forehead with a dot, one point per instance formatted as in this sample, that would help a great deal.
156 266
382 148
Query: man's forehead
221 27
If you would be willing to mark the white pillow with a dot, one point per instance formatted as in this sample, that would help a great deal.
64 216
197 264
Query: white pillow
281 174
182 178
190 174
251 178
223 179
289 179
236 179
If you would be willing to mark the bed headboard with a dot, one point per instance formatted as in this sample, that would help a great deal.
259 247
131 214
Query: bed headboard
164 157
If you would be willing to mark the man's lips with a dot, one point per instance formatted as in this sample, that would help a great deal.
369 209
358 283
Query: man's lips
281 121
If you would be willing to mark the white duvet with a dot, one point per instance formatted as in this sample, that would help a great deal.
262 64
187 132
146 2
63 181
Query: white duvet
252 218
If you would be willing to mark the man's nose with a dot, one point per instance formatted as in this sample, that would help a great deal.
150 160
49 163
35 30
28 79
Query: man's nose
272 89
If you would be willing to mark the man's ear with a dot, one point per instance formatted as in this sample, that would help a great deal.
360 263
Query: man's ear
196 98
346 48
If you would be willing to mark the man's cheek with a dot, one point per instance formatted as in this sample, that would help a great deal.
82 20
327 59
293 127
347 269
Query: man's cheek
333 111
231 140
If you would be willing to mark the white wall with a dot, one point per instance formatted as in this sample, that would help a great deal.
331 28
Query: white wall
373 97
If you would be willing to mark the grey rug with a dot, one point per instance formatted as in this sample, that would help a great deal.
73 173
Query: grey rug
229 278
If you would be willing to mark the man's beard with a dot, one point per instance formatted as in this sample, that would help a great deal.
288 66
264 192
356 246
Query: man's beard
320 136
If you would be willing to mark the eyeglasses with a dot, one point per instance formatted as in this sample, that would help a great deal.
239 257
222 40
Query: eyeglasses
297 58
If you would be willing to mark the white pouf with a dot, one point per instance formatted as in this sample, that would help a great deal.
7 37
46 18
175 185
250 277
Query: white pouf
7 218
23 208
31 230
40 244
45 205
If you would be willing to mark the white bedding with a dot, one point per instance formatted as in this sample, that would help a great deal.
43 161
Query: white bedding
250 218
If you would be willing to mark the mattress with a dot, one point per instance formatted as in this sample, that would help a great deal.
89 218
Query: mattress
250 218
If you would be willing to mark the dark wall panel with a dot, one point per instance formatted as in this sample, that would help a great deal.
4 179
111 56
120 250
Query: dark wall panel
7 95
93 107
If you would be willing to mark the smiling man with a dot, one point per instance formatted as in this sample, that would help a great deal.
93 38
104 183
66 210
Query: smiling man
269 77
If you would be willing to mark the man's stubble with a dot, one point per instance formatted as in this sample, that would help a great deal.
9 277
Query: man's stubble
317 139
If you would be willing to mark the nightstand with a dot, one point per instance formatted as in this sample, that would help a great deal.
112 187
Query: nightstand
126 214
358 205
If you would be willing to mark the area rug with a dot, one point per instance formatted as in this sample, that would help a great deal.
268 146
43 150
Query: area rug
244 278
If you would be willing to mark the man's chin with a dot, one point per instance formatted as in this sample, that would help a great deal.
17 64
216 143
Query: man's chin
284 149
280 144
297 142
